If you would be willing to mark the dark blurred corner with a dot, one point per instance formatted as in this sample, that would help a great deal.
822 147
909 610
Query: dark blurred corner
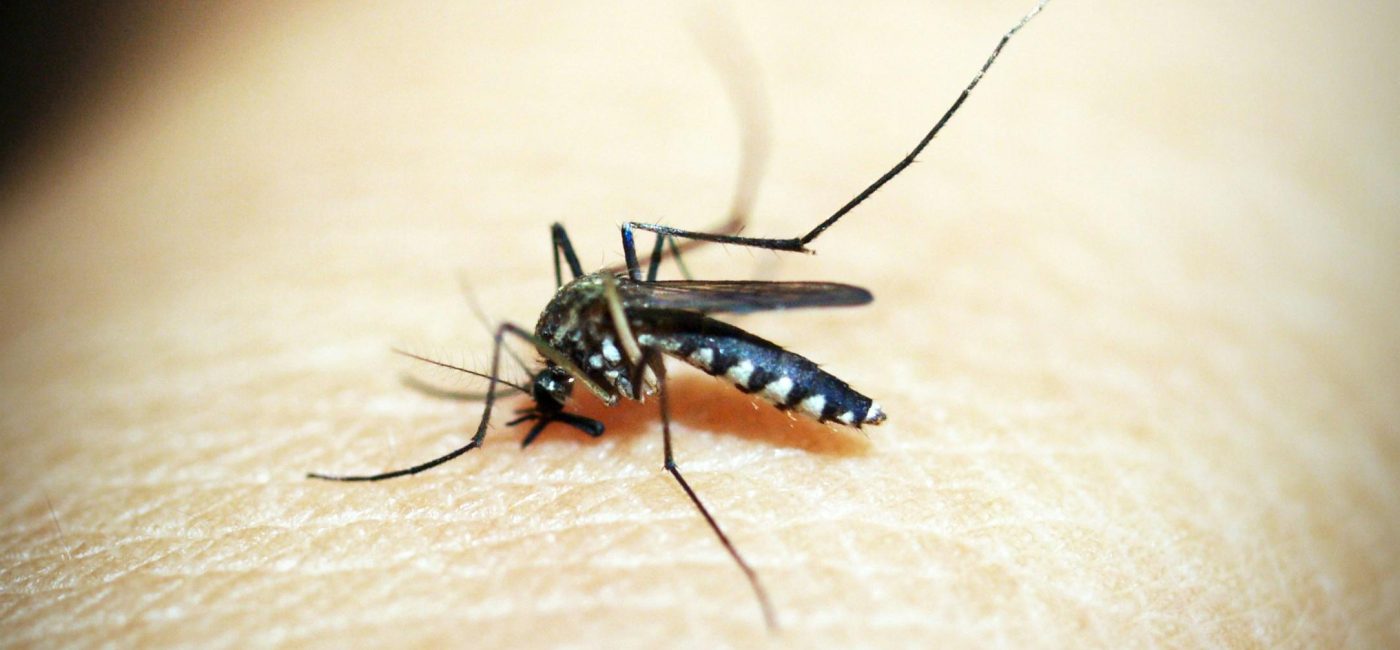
56 57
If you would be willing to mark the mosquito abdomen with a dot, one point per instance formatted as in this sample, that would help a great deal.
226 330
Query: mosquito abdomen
785 379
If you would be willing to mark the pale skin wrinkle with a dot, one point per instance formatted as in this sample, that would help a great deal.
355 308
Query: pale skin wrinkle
1133 328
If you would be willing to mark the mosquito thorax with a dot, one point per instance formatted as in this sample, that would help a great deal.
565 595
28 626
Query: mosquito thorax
576 323
574 308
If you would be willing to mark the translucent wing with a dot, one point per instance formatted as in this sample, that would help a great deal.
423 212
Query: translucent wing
738 296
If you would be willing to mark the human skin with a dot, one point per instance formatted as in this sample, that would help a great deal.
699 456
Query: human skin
1134 327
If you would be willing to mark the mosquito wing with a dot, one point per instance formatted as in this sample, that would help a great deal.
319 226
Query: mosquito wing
739 296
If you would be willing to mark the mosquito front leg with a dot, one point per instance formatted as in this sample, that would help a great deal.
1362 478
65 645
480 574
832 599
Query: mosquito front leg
499 340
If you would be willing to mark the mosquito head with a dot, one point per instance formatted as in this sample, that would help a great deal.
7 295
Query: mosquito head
551 388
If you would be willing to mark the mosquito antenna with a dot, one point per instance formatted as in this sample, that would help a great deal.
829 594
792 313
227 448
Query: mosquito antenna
909 159
433 390
481 317
461 369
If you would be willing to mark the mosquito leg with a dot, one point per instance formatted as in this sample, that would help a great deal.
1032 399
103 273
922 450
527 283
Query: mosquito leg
799 244
655 264
680 263
634 265
794 244
658 367
928 137
505 328
629 252
733 226
561 245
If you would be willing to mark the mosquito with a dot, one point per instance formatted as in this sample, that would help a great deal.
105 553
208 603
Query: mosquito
611 331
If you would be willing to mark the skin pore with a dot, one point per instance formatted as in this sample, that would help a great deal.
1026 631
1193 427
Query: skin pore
1133 326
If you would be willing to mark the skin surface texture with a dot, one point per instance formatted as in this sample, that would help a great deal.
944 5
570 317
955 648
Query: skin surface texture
1134 326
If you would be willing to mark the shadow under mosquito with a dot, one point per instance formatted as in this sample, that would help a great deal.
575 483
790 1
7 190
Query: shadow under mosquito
702 402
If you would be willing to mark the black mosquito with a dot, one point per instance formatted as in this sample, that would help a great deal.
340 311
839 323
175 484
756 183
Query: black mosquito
611 330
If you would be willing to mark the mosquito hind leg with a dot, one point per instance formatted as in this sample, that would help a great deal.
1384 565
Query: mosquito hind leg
663 233
799 244
658 367
629 247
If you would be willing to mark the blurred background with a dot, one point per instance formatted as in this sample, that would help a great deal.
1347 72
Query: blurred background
58 58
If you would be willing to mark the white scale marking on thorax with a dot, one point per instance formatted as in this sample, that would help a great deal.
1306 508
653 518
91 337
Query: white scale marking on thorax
610 351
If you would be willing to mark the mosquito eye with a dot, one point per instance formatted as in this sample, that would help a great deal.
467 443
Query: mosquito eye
552 387
562 384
